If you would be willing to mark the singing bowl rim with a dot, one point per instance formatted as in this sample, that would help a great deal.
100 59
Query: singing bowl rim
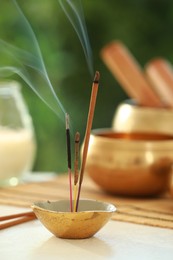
160 141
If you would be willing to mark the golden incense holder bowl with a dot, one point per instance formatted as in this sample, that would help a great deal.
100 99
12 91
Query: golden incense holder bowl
130 117
92 215
135 164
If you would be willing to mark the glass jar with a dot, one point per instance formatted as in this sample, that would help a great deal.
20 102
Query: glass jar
17 141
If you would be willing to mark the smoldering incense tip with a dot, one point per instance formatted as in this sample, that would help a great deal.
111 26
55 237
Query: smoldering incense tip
77 137
96 77
67 120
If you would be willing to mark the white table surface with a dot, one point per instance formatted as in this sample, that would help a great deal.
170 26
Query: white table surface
117 240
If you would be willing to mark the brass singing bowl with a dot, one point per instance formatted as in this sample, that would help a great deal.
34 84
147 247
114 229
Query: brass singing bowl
92 215
135 164
129 117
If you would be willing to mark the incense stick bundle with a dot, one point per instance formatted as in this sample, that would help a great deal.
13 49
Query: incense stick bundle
69 159
160 73
88 130
129 74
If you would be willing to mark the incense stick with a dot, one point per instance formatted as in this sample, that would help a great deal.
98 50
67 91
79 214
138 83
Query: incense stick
16 222
76 168
16 219
69 158
18 215
88 130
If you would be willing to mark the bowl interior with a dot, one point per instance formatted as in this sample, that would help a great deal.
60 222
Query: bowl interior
84 206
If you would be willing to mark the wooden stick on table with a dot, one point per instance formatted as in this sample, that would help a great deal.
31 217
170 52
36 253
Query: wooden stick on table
16 219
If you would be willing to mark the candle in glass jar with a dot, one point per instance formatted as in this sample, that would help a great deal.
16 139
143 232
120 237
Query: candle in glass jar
17 149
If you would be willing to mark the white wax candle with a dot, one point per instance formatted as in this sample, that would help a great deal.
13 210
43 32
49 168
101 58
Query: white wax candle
17 149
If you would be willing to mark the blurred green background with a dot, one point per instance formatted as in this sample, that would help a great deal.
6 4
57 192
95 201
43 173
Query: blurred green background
144 26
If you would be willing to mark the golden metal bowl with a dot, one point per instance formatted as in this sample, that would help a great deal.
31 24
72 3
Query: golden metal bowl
130 117
135 164
92 215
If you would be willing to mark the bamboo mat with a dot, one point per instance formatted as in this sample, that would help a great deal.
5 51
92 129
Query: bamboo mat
147 211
